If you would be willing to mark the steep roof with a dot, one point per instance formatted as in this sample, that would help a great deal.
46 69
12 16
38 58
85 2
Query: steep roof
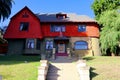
71 17
51 17
25 8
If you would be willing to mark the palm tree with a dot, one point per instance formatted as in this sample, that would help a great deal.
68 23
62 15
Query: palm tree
5 9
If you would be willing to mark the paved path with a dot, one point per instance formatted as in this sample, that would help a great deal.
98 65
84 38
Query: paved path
63 68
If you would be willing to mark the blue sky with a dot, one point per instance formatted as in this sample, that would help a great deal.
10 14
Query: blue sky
80 7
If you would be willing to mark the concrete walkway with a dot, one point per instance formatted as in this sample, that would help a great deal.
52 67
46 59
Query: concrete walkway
63 68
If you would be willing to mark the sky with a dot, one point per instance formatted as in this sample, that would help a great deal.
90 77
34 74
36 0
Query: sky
80 7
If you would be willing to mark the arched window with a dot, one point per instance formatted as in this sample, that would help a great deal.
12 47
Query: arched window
81 45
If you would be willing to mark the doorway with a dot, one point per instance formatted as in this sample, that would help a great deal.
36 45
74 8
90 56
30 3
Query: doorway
61 47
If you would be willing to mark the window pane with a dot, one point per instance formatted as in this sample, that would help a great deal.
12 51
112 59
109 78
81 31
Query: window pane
81 28
24 26
57 28
49 45
52 29
63 28
30 43
82 45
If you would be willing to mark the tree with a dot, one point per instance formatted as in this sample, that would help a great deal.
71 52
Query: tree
5 9
110 34
100 6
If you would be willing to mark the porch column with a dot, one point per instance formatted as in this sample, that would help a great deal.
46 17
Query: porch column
53 53
68 52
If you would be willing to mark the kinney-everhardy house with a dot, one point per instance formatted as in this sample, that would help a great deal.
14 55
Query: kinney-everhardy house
30 33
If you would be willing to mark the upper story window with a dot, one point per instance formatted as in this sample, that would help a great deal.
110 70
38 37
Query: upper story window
57 28
81 28
24 26
81 45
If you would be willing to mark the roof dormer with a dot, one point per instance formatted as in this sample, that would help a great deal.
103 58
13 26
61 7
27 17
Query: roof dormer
61 15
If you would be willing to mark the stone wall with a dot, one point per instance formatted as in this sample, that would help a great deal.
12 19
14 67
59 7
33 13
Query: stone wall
93 46
31 51
43 69
83 70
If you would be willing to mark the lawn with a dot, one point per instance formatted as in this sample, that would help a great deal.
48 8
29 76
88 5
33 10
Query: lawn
19 67
104 68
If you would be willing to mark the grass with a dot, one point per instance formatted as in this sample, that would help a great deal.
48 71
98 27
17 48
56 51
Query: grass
19 67
104 67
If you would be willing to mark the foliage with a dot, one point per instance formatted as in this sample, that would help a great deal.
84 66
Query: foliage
5 9
110 34
100 6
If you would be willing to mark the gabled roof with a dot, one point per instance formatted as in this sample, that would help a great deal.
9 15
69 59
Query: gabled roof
71 17
25 8
51 17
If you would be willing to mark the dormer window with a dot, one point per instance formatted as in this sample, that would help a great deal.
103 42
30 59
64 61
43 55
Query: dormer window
61 16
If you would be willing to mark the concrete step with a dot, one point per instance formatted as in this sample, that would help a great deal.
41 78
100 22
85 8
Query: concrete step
62 68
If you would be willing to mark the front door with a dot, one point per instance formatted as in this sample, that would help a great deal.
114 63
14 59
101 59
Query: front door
61 47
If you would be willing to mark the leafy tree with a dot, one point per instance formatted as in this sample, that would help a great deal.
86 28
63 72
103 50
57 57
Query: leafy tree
100 6
5 9
110 34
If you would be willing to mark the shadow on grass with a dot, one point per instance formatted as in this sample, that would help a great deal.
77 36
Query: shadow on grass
16 59
88 58
92 73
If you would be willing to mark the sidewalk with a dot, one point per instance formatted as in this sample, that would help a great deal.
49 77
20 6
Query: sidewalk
63 68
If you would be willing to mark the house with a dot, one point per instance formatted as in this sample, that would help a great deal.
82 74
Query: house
43 34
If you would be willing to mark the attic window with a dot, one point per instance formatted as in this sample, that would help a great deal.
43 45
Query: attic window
25 15
24 26
61 16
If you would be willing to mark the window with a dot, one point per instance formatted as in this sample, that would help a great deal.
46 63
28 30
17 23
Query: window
49 45
81 28
82 45
57 28
61 15
24 26
30 43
